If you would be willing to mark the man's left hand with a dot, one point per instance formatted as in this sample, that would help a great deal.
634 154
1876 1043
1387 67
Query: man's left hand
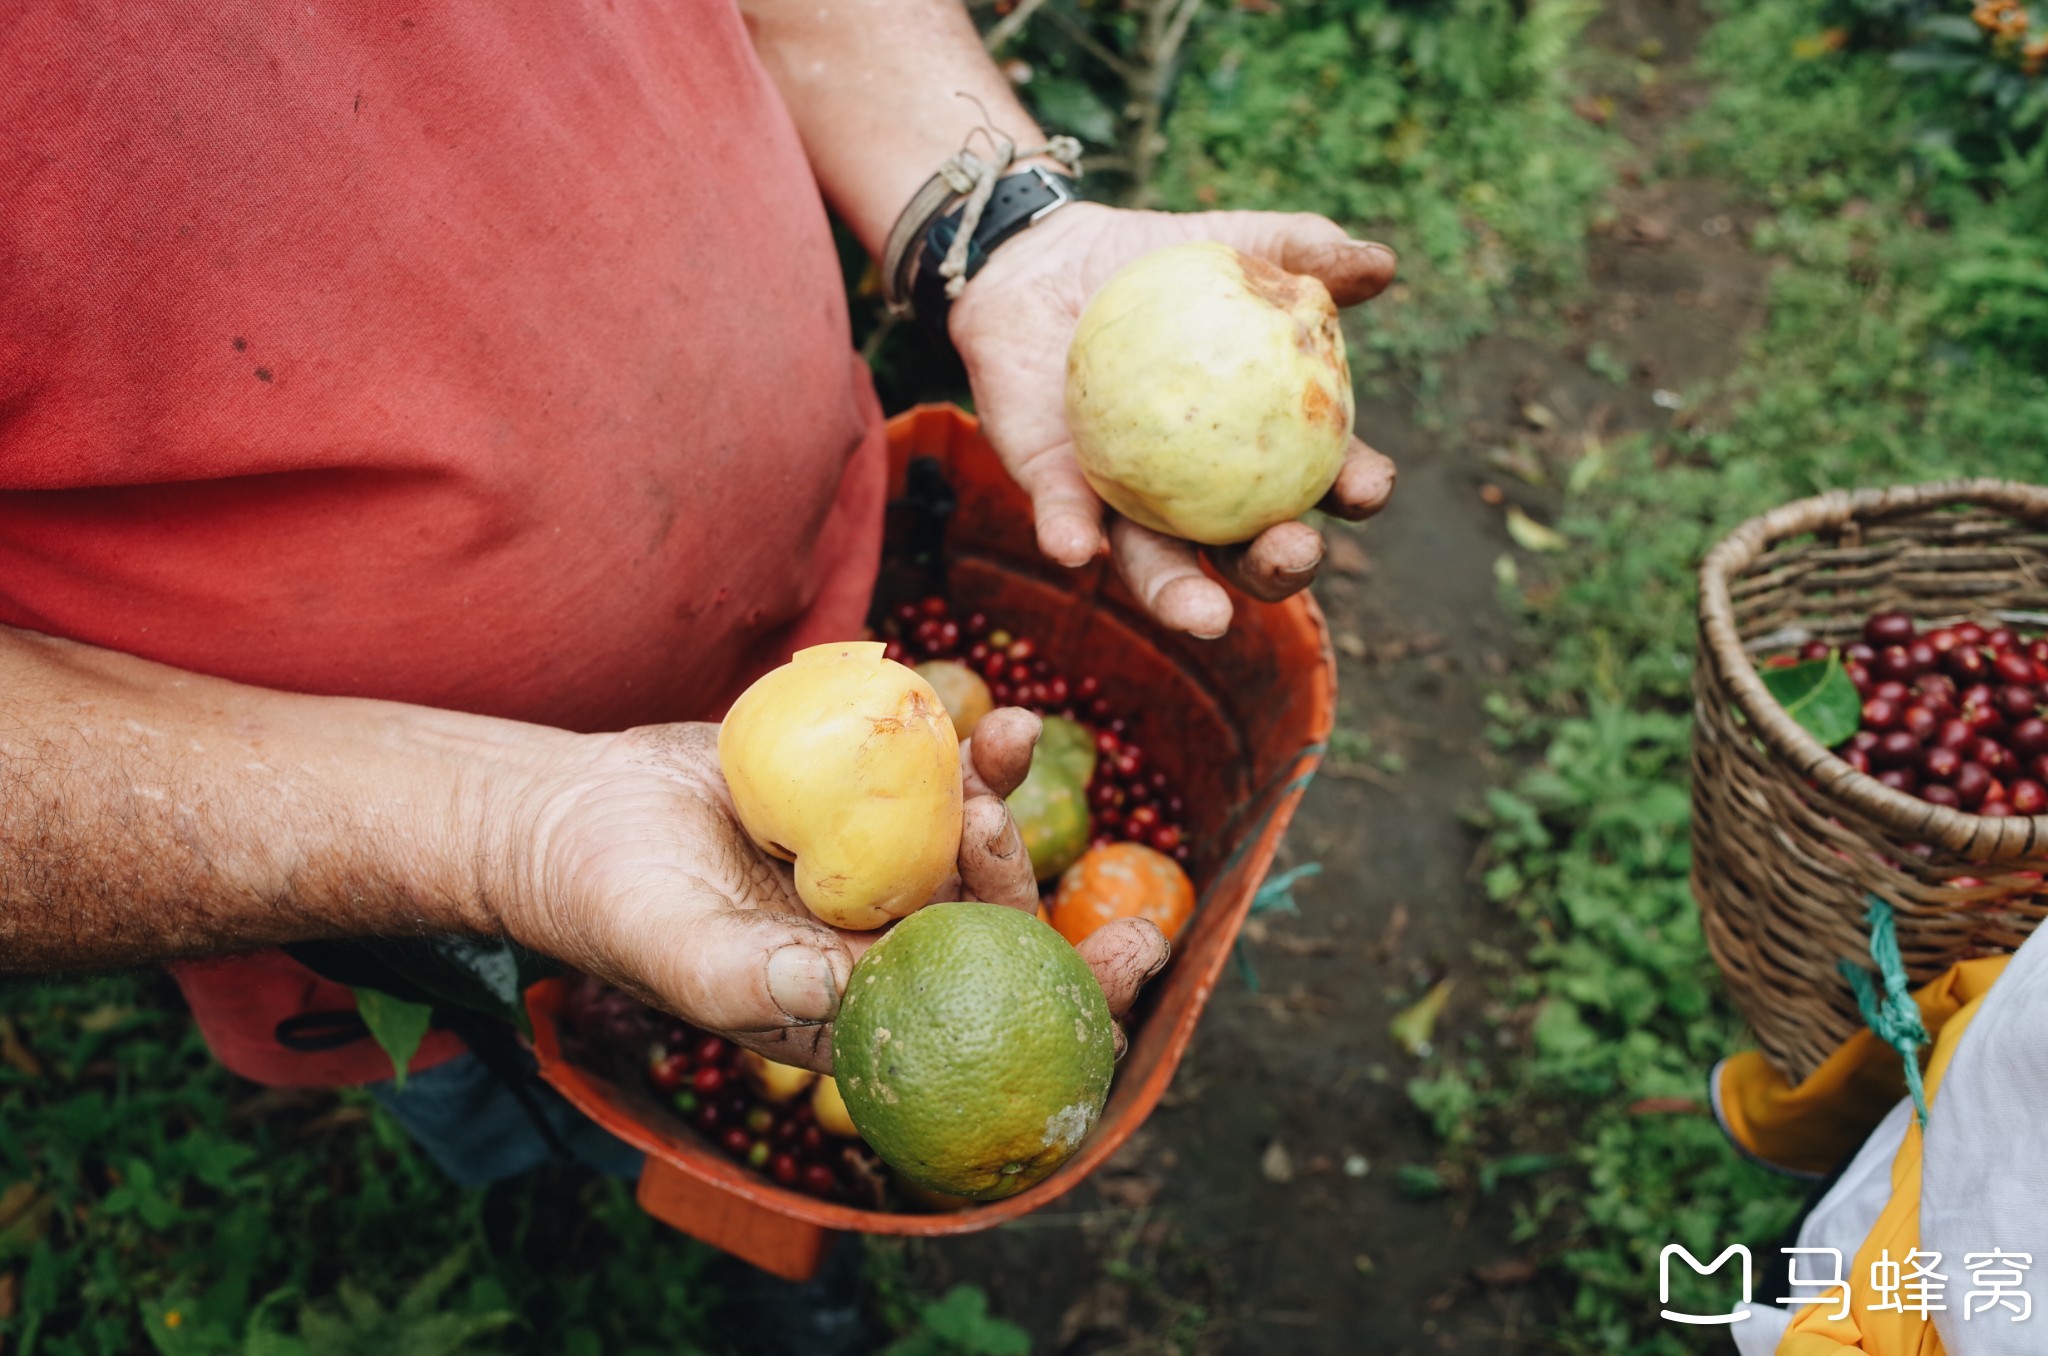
1012 325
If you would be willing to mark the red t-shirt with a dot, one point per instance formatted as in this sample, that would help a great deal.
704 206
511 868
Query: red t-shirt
488 357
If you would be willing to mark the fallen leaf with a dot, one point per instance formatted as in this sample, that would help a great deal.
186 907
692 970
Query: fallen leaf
1491 495
1531 535
1275 1164
1591 465
24 1215
105 1018
1519 461
1322 1165
1290 945
1346 556
1647 230
1104 1309
1130 1190
1820 44
1507 1271
17 1055
326 1123
1356 1165
1390 937
1539 415
1351 645
15 1202
1414 1026
1667 1106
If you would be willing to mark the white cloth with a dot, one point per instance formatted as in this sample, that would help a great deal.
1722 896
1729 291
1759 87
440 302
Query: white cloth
1984 1179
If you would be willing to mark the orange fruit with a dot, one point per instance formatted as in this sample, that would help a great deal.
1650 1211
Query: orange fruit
1122 880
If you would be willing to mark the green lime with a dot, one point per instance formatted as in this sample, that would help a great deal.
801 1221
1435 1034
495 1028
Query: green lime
974 1049
1070 744
1051 810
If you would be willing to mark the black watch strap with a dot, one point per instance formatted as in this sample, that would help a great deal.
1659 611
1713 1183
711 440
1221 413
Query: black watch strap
1019 200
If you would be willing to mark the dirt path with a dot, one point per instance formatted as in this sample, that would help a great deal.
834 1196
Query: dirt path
1203 1237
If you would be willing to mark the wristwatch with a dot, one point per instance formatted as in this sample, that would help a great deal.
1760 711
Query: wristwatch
1020 200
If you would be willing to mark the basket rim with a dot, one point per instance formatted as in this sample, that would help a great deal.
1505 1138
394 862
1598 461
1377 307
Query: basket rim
1969 835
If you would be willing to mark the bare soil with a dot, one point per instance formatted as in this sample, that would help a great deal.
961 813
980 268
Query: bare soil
1231 1224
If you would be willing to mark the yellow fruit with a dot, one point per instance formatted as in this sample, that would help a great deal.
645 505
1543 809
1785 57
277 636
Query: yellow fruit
1051 810
774 1082
830 1109
846 764
966 696
974 1049
1208 394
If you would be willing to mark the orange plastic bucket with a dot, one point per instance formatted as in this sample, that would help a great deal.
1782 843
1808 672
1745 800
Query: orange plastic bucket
1240 723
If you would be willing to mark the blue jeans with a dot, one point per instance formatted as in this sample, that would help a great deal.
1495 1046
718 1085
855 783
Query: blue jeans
477 1130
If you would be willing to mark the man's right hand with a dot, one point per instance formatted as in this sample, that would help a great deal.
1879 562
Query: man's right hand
628 862
149 814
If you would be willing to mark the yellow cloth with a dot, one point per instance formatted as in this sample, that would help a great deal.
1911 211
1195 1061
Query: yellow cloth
1816 1125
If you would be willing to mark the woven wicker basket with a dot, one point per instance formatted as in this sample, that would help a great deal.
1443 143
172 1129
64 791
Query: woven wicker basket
1787 838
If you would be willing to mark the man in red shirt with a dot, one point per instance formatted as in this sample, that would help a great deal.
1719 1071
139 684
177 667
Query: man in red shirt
396 403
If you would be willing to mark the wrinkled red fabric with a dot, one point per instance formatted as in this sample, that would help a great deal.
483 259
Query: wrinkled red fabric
487 357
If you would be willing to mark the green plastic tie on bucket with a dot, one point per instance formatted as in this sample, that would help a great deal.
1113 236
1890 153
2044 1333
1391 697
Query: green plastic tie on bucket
1278 891
1275 895
1894 1016
1296 782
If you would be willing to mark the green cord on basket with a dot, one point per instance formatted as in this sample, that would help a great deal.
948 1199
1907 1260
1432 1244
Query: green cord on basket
1894 1016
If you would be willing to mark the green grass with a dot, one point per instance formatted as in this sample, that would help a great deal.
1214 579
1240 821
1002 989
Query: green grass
146 1196
1904 343
1442 129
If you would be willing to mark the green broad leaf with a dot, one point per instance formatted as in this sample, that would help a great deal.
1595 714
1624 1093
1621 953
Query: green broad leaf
1419 1183
961 1320
1954 27
1074 107
1507 1169
1928 61
398 1026
467 974
1819 695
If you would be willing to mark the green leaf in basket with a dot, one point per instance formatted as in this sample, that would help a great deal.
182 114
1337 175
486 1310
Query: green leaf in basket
1819 695
399 1026
486 975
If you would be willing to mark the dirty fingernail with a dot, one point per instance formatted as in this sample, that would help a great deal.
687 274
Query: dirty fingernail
802 983
1295 574
1121 1043
1165 955
1374 247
